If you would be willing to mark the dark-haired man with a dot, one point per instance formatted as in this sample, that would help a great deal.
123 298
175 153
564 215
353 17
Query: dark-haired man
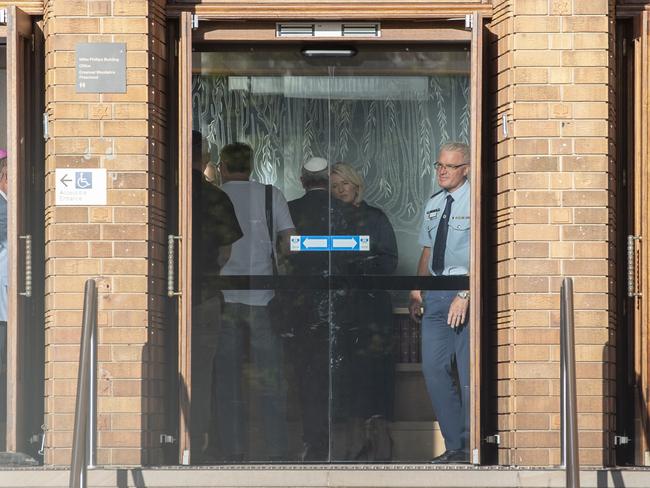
214 225
214 230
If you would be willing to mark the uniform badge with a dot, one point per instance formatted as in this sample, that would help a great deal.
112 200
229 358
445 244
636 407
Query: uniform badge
432 214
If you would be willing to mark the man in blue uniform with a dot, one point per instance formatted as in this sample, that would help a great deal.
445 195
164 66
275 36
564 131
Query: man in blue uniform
445 237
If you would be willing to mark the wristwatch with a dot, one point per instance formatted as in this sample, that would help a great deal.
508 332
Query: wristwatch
463 294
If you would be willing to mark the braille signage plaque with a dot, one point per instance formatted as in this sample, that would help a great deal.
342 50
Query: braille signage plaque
101 67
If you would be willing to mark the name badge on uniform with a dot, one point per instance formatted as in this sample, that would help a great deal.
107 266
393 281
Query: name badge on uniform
432 214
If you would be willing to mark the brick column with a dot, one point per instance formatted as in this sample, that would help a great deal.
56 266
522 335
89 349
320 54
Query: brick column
121 243
554 198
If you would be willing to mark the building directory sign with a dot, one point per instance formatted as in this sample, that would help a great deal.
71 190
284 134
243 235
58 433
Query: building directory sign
101 67
330 243
80 186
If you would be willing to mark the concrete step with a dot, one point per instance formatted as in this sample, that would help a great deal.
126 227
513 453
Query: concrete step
332 476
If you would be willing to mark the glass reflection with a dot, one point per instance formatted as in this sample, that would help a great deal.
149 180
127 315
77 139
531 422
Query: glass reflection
328 366
4 249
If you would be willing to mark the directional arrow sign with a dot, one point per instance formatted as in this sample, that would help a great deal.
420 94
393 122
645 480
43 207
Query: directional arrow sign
80 186
315 243
345 243
310 243
65 180
330 243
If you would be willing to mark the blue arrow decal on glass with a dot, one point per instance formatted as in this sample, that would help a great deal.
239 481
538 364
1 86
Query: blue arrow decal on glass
330 243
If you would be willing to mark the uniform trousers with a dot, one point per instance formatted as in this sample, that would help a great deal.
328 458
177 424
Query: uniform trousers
267 385
448 387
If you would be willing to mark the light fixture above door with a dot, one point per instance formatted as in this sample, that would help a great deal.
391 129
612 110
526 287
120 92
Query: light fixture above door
328 29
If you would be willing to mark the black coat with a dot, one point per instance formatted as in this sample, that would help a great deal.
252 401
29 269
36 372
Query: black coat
214 224
363 358
382 257
312 215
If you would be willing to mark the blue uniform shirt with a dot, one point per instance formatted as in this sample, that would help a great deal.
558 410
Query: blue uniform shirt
457 250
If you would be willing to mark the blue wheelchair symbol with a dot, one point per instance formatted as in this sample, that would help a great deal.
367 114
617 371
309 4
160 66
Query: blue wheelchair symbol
83 180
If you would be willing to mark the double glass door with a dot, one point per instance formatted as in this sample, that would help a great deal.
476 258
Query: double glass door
300 343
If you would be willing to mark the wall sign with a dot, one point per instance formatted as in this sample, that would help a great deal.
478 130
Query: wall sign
80 186
101 67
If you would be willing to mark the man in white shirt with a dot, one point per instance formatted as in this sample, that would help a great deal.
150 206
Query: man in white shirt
246 316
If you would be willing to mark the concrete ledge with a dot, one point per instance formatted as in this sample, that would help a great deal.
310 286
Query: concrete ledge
334 476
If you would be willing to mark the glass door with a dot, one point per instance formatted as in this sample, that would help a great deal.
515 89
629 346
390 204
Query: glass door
399 387
316 175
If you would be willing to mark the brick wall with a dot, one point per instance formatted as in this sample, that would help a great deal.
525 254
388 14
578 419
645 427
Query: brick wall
554 194
551 76
121 242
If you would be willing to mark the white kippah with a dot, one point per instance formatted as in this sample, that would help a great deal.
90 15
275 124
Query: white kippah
314 165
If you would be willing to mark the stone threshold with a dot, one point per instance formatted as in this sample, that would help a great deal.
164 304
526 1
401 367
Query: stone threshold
327 476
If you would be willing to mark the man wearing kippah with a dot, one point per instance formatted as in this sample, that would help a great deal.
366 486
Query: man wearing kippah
310 315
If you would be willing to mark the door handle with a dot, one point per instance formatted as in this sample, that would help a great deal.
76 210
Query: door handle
631 266
28 265
171 244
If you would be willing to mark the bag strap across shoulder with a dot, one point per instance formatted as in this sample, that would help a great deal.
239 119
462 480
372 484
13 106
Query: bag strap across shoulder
268 204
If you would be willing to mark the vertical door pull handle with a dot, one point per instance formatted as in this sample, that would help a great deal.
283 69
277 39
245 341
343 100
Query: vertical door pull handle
631 266
171 244
28 265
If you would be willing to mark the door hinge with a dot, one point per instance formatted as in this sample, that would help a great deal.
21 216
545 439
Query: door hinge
493 439
621 440
46 128
469 21
167 439
195 21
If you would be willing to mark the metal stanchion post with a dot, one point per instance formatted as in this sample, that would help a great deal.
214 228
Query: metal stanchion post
568 396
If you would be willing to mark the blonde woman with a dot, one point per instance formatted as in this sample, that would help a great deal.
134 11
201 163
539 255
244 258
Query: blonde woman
363 375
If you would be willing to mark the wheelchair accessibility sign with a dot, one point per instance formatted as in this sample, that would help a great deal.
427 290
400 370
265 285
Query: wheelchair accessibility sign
80 186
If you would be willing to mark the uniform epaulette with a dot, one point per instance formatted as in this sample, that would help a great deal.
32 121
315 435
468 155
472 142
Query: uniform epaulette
437 193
